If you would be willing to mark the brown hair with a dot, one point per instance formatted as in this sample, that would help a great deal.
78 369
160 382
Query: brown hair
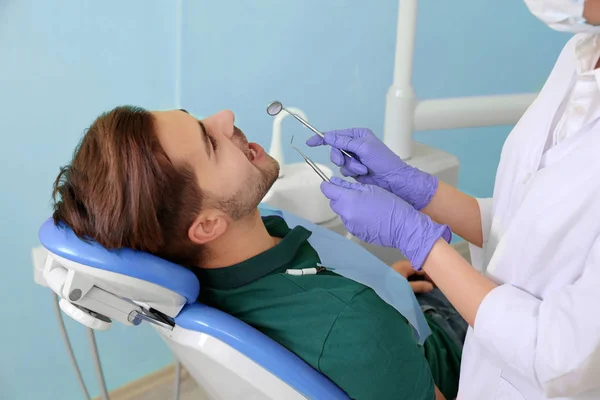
122 190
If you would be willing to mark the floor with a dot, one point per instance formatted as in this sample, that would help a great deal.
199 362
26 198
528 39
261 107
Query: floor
189 390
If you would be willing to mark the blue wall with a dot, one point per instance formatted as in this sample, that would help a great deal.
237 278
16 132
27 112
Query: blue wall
334 60
64 62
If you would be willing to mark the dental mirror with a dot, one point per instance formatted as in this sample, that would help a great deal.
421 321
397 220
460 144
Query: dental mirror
275 108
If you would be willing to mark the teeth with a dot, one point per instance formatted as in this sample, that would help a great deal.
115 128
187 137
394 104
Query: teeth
252 154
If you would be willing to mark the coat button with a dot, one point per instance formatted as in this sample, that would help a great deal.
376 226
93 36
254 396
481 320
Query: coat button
579 110
526 178
561 135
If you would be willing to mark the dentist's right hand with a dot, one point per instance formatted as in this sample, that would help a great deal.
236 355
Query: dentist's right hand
377 165
377 216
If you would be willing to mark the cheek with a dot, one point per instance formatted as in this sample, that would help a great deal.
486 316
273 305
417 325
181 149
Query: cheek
235 172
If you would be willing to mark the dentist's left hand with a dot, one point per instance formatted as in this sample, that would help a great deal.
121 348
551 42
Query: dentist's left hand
379 217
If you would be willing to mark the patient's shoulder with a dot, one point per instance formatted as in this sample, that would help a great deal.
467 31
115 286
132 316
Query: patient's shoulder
368 314
339 287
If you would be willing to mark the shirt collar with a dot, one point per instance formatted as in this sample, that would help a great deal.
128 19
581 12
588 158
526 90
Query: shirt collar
276 259
587 52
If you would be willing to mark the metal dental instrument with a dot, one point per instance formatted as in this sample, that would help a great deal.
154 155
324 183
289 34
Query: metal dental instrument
310 162
275 108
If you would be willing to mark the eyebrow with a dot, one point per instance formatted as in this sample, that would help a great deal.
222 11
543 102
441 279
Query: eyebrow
207 144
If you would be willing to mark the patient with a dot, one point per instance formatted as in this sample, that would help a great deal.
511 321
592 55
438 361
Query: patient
188 190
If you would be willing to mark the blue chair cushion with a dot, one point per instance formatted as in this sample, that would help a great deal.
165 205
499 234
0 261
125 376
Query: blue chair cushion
261 349
62 241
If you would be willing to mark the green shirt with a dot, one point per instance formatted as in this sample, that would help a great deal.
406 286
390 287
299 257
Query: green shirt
338 326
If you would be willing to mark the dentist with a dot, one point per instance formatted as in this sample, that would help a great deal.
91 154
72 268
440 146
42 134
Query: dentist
532 295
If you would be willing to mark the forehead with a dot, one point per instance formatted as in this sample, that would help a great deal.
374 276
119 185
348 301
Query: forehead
179 134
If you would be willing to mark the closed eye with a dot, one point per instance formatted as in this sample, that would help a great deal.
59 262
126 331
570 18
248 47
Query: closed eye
213 142
208 138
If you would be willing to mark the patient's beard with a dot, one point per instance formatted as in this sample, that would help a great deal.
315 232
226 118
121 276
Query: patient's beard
245 200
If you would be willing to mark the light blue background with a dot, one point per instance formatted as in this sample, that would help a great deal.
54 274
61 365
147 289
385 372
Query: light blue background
64 62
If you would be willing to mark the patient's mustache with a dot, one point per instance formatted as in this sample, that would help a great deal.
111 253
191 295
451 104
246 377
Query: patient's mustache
239 135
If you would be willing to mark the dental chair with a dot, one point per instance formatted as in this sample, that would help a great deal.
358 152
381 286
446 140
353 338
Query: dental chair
226 357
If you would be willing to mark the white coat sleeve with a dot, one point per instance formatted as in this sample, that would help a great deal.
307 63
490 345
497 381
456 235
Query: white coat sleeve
485 210
554 342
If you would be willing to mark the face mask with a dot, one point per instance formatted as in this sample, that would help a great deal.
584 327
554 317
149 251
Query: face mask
561 15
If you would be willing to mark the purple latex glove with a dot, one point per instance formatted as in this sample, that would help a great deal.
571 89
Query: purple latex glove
376 216
377 165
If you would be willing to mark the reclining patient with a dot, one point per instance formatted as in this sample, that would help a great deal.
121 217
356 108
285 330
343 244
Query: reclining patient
187 191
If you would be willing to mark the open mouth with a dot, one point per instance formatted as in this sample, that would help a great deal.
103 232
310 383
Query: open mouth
252 150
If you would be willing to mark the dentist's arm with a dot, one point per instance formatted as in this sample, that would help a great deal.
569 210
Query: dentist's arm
462 284
591 12
449 206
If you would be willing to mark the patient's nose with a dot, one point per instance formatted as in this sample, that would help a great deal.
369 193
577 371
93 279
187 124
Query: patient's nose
226 119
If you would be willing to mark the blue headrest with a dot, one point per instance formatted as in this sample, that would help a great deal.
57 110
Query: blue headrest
62 241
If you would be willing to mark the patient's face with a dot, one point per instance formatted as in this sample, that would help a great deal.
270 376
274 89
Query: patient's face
233 174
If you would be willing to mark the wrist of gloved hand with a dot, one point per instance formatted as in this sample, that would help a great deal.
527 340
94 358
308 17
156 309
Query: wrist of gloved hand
414 186
425 233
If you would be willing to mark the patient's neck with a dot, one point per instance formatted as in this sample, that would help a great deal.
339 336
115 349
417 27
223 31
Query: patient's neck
244 240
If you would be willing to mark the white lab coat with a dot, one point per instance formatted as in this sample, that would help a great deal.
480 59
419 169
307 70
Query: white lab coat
537 335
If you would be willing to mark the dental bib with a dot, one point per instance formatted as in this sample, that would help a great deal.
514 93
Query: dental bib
350 260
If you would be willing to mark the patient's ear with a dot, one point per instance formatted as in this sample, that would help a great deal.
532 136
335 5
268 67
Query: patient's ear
209 225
